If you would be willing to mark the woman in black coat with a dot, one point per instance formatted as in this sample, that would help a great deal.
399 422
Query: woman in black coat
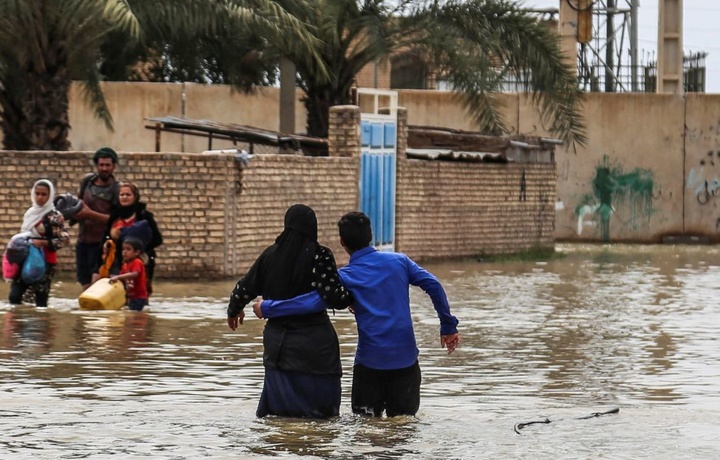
301 352
130 218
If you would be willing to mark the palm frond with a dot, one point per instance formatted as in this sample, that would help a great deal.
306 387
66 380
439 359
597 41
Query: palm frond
516 44
94 96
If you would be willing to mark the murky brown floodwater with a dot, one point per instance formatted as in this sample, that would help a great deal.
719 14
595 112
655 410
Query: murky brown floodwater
632 327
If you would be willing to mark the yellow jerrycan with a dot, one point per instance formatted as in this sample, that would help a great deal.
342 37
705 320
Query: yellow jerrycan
103 295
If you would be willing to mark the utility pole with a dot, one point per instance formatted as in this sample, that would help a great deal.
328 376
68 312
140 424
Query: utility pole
610 48
603 34
287 96
603 58
634 64
568 31
670 47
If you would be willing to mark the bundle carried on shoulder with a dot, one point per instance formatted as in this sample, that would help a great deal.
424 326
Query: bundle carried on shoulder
68 205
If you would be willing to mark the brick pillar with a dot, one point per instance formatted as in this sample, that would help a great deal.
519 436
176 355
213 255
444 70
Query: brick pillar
344 131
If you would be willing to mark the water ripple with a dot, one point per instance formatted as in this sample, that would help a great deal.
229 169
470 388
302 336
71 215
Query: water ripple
632 327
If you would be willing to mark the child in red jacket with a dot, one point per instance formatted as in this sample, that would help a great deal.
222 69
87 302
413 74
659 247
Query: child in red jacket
133 274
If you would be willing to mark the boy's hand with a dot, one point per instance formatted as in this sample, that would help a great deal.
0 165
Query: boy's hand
450 341
257 308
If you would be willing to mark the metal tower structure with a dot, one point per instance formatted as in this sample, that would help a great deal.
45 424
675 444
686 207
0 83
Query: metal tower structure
608 55
605 35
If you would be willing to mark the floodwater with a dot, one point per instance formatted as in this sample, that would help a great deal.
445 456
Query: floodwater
604 327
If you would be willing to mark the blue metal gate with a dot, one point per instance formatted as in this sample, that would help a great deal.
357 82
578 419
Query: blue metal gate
378 164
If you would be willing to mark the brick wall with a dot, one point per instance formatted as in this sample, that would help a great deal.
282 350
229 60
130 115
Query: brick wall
454 209
273 183
217 214
450 209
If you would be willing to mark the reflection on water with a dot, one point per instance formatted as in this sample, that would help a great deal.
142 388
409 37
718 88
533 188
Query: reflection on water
633 327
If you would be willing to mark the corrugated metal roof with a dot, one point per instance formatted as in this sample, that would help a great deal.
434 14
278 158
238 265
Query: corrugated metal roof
425 142
445 154
235 132
437 143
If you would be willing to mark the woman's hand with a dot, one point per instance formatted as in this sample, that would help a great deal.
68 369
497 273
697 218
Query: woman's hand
233 321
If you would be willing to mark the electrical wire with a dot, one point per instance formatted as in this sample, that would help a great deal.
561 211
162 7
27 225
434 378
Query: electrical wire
577 8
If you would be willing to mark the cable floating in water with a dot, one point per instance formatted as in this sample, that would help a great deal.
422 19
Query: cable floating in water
520 426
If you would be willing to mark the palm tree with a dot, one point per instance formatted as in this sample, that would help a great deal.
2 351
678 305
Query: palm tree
45 44
476 43
241 59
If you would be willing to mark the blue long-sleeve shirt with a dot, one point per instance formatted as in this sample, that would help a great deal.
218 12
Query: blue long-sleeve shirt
379 283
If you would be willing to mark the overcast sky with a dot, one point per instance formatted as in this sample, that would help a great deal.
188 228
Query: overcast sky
701 20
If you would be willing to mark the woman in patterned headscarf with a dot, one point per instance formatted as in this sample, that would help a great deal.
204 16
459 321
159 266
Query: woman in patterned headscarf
45 227
301 352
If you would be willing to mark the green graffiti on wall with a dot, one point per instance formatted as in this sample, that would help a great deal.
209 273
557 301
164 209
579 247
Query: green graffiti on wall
615 190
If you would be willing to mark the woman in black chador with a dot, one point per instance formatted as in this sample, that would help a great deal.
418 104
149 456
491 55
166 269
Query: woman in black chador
301 352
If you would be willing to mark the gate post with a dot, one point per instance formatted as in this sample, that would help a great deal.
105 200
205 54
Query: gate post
344 131
378 165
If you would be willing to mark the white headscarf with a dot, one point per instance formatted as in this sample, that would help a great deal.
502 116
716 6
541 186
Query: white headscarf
36 213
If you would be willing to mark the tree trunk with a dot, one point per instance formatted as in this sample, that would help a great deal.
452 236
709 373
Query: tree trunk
47 110
318 113
36 116
287 95
10 117
318 101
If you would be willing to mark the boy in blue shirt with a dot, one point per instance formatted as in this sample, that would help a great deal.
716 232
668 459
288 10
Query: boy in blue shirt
386 374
